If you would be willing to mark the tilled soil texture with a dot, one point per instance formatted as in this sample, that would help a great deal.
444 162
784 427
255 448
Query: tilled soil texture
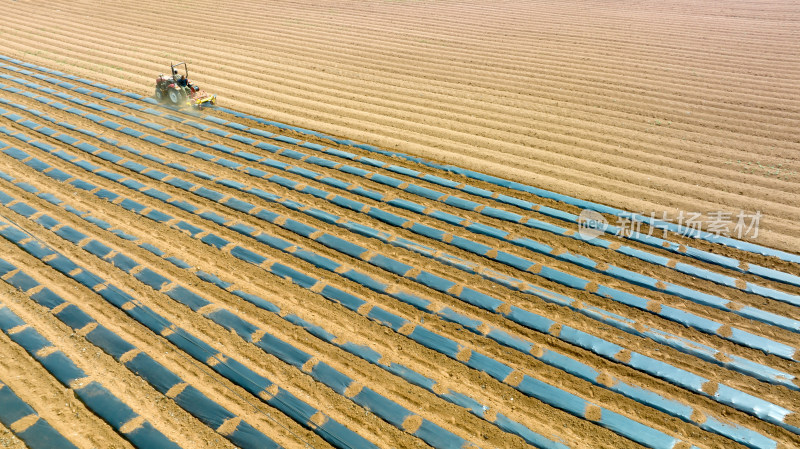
657 107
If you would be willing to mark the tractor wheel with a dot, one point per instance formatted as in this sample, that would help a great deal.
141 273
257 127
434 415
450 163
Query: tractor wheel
176 97
159 95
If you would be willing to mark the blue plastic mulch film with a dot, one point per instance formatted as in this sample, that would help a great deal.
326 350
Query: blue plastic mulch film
93 394
524 188
738 336
762 343
636 253
114 346
435 436
162 380
38 434
191 399
432 178
111 344
539 192
451 352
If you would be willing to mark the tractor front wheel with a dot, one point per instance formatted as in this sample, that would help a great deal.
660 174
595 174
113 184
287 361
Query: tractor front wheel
176 97
159 95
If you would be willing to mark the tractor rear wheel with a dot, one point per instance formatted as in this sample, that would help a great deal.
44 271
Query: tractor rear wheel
176 97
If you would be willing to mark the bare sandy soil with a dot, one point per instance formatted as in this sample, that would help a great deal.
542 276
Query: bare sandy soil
657 106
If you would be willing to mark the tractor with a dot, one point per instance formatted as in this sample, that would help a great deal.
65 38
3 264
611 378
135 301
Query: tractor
178 91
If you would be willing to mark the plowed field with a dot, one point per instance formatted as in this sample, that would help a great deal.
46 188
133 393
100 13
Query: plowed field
230 278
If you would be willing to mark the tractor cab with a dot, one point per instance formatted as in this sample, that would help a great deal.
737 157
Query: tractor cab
177 90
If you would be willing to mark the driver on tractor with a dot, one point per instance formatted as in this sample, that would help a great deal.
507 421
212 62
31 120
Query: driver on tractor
178 89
